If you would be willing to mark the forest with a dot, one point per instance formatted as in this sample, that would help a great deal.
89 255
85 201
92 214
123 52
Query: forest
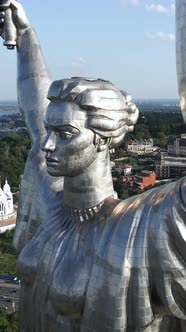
8 322
159 126
14 150
7 254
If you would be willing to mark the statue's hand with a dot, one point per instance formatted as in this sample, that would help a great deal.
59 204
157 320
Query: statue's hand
13 19
132 111
133 114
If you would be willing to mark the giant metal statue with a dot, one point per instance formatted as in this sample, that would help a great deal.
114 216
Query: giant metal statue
89 262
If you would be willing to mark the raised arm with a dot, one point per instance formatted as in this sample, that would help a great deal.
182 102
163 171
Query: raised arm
37 187
32 74
32 83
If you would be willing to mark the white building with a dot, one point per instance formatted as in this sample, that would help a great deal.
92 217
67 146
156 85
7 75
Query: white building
177 146
168 166
6 202
141 146
125 169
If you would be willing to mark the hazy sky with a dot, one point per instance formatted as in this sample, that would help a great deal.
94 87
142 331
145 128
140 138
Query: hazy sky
129 42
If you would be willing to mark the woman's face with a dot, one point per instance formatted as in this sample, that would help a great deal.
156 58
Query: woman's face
69 145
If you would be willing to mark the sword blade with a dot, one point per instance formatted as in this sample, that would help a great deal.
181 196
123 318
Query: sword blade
181 52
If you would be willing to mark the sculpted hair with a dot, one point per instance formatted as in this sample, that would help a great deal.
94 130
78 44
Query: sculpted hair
110 112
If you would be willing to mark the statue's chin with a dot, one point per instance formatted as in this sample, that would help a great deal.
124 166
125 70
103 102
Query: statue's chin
58 173
53 172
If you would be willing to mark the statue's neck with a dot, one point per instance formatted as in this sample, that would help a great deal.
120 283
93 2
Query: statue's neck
90 187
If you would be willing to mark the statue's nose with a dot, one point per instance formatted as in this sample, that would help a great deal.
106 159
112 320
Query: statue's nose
49 143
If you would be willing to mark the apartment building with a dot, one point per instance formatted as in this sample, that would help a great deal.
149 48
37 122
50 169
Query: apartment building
170 166
144 180
140 146
177 146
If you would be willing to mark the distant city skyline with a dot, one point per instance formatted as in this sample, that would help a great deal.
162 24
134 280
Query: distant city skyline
129 42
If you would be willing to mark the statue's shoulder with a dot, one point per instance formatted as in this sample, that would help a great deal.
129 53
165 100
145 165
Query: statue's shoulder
139 226
146 212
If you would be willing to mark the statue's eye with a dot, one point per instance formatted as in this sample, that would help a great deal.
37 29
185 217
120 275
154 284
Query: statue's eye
65 135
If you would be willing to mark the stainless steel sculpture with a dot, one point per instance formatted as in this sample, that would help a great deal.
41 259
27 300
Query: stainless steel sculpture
181 52
10 34
89 262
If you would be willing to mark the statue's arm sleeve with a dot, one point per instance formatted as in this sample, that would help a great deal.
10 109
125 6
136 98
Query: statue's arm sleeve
32 83
37 187
167 250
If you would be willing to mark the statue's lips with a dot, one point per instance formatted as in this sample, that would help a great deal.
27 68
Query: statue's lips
51 160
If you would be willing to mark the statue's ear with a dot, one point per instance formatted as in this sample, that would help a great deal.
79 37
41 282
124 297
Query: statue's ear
102 143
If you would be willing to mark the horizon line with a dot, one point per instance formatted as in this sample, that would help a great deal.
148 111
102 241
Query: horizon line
135 98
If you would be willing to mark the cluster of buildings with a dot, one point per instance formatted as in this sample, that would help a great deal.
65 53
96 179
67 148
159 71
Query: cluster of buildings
168 164
140 147
172 163
11 124
7 211
146 179
124 169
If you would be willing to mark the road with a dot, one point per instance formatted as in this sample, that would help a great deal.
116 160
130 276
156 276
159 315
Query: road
9 296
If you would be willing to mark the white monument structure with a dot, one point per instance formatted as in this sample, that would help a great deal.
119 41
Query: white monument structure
7 211
6 202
